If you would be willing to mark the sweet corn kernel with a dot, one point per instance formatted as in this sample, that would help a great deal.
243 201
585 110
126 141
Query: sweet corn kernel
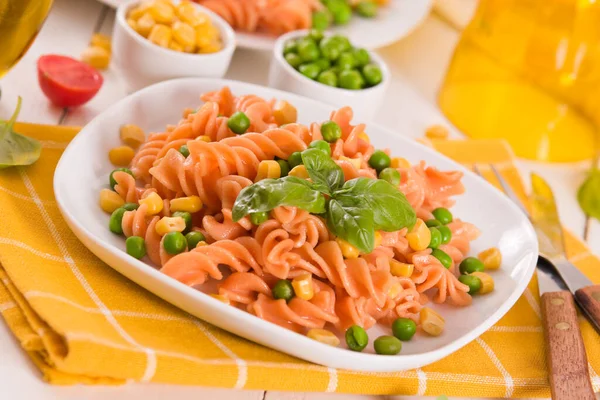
364 136
323 336
491 258
284 113
431 322
437 132
399 162
145 24
132 23
184 34
110 201
419 236
487 282
204 138
398 268
394 290
268 169
299 171
348 251
202 243
378 238
160 35
175 46
101 40
169 224
221 298
121 156
356 162
96 56
188 13
212 47
153 202
162 12
132 135
137 12
191 204
303 286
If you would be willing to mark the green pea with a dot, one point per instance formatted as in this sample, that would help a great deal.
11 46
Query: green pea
283 289
330 49
361 56
116 220
238 123
193 238
470 265
433 223
445 232
342 14
130 206
379 160
174 242
316 35
346 61
322 19
293 59
290 46
343 42
323 64
367 9
331 131
187 217
184 150
136 246
443 215
284 167
295 159
404 328
258 218
112 181
328 78
372 74
308 50
356 338
443 257
310 70
321 145
436 238
387 345
351 80
391 175
472 281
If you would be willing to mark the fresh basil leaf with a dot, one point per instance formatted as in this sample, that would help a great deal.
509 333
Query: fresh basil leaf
352 223
16 149
267 194
326 175
391 210
588 195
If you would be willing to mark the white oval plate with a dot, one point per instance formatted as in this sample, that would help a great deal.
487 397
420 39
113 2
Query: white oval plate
84 168
395 21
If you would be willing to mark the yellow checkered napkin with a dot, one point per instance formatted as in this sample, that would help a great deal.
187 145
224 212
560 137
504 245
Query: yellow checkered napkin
80 321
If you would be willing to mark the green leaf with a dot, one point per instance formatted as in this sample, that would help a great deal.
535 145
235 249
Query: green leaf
16 149
391 210
351 222
326 175
267 194
589 195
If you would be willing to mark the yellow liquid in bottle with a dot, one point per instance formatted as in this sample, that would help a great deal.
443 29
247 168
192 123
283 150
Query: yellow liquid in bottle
20 21
525 71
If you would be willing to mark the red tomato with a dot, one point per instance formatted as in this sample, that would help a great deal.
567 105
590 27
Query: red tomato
67 82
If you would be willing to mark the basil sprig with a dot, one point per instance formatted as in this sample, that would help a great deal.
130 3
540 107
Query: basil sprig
354 210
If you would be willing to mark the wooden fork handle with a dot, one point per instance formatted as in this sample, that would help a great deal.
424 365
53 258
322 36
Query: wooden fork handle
567 361
588 299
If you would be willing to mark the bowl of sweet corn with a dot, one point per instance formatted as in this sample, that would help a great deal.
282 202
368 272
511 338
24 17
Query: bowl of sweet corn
157 40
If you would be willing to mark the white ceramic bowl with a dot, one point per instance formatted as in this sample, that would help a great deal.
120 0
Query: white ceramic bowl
365 102
83 170
143 63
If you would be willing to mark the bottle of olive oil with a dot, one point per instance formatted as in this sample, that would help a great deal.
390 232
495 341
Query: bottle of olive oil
528 71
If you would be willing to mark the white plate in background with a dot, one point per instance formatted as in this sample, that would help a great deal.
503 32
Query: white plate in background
84 168
395 21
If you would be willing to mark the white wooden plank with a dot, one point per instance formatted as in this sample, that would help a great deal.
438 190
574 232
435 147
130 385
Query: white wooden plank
66 31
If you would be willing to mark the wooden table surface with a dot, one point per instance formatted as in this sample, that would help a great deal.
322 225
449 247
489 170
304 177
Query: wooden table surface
418 63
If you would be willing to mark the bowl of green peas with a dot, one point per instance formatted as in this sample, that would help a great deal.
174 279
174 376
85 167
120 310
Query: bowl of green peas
327 67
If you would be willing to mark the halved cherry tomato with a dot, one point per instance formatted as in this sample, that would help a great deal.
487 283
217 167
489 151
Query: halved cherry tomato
67 82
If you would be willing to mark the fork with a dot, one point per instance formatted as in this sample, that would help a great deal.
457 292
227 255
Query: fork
567 360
